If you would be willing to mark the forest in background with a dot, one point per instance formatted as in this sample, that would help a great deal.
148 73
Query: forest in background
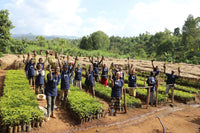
180 45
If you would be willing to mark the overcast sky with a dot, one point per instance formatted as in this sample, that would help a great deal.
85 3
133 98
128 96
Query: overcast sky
83 17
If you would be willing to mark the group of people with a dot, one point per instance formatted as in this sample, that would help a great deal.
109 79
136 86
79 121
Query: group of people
65 70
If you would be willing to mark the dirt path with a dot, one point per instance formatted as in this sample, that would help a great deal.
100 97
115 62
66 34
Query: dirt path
2 77
187 120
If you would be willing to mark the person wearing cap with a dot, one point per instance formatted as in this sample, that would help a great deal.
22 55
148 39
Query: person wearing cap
152 82
77 78
171 80
39 81
116 94
66 74
89 80
104 74
53 79
96 68
156 70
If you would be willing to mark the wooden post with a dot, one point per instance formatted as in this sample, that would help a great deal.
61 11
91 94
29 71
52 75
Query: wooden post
173 93
156 92
148 96
125 106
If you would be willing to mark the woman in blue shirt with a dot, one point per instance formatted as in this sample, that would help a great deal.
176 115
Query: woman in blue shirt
39 81
117 84
89 81
77 78
53 79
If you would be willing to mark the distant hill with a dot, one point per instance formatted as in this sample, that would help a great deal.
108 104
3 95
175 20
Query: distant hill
31 36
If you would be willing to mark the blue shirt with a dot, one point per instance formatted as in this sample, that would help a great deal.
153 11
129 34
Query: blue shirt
96 67
116 90
171 78
132 80
26 66
78 74
104 73
39 79
151 82
51 86
156 72
90 79
65 78
70 69
31 70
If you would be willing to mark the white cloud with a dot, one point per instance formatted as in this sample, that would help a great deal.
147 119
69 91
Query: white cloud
64 17
158 15
49 17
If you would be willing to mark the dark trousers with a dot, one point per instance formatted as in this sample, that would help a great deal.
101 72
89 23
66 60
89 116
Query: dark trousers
50 104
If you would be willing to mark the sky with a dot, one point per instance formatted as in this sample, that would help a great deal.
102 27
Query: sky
79 18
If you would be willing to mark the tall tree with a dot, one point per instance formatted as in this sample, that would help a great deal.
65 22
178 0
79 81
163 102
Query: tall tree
5 27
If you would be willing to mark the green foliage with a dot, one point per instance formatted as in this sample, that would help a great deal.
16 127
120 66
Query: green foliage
6 26
82 104
18 105
97 40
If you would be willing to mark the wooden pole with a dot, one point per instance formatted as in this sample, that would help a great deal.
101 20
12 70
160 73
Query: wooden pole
125 106
173 93
156 92
148 96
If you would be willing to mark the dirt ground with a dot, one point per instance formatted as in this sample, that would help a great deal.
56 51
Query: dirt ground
187 70
180 119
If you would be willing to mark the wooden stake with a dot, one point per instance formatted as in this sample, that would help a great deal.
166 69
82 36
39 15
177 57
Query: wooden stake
125 106
156 92
148 96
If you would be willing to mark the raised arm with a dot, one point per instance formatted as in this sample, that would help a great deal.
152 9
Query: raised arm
73 65
164 66
91 60
28 57
179 71
101 60
152 64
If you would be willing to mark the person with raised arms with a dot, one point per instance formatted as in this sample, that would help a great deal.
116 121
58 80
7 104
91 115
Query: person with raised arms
39 81
53 79
156 70
96 68
171 79
116 94
66 74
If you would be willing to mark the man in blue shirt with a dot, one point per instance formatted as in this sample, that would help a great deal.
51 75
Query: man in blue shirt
171 80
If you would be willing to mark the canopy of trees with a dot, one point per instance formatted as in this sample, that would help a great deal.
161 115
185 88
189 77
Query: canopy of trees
97 40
